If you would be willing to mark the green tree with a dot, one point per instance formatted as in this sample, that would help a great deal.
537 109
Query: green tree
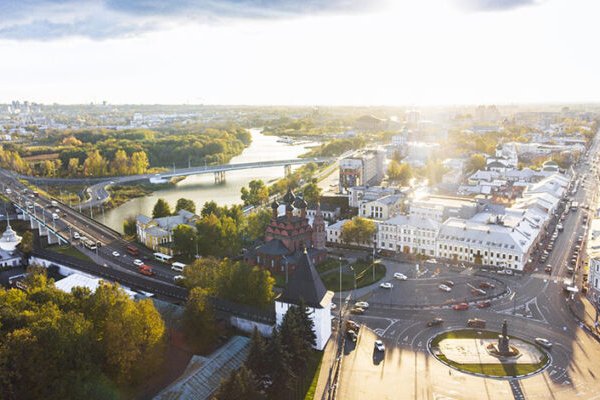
129 226
256 194
240 384
199 321
161 209
256 223
185 204
358 230
256 360
399 172
312 192
184 240
26 245
476 162
210 207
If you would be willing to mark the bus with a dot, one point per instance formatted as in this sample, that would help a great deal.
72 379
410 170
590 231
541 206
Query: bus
163 257
177 266
89 244
131 249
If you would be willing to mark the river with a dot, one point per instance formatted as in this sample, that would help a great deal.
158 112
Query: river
201 188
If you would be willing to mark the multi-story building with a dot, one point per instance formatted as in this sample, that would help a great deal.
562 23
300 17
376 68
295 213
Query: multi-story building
361 194
408 234
383 208
593 253
157 233
440 208
364 168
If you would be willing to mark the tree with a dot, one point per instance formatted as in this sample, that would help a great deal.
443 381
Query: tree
240 384
282 373
256 360
73 166
358 230
161 209
256 224
185 204
95 164
210 207
400 172
476 162
257 193
139 163
120 163
312 192
129 226
184 240
26 245
199 320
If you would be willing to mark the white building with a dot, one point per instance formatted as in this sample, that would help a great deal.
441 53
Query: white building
363 168
361 194
440 208
593 253
408 234
383 208
306 286
334 232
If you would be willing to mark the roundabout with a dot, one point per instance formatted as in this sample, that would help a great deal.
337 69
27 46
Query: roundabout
488 354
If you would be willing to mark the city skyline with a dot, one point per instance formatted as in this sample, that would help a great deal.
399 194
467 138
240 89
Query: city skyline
280 53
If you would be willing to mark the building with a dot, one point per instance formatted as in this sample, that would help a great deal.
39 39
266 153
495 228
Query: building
383 208
593 254
157 233
408 234
288 235
9 255
361 194
305 287
440 208
370 123
363 168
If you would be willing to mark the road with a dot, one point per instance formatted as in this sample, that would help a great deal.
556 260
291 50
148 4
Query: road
535 306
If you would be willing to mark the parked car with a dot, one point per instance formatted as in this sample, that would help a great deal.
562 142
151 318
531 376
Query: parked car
352 335
478 292
435 322
548 269
362 304
476 323
386 285
486 285
460 306
444 288
448 283
357 310
543 342
431 261
400 276
484 304
379 346
76 235
138 262
116 254
352 325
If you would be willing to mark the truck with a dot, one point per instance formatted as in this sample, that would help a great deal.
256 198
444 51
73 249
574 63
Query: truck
145 270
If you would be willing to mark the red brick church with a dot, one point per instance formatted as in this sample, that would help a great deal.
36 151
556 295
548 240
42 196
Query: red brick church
288 235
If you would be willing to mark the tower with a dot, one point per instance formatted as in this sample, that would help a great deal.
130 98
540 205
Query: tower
319 235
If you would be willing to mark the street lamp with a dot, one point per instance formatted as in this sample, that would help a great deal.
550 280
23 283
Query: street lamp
354 273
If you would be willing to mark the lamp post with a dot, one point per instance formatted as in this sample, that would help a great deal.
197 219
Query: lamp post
354 273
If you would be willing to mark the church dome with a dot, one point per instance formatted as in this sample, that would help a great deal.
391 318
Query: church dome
274 205
289 197
300 203
9 239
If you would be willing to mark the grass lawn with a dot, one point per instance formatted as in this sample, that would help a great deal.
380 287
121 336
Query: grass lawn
329 264
312 374
487 369
70 251
364 276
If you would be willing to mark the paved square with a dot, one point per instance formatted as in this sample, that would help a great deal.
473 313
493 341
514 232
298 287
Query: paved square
473 351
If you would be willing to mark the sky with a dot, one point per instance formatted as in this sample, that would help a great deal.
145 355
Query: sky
309 52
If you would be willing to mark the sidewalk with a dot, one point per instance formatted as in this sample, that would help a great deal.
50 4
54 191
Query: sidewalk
585 312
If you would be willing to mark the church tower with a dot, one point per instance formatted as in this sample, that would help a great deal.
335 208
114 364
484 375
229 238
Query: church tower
319 235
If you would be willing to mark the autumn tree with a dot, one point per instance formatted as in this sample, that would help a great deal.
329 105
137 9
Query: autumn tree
255 224
129 226
95 164
256 194
476 162
199 320
185 204
311 192
184 240
73 166
139 163
161 209
358 230
120 163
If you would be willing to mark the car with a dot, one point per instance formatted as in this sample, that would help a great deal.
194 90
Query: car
357 310
543 342
116 254
177 278
460 306
352 335
508 271
57 211
448 283
431 261
138 262
503 272
548 269
54 216
484 304
435 322
333 306
386 285
54 203
76 235
476 323
444 288
400 276
362 304
379 346
486 285
478 292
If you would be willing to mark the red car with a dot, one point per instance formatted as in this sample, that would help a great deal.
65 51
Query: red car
460 306
484 304
486 285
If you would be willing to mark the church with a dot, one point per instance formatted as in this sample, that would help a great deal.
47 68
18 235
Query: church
287 237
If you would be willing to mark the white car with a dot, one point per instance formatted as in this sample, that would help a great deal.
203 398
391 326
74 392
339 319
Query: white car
543 342
333 306
138 262
379 346
177 278
116 254
361 304
400 276
54 216
76 235
386 285
431 261
444 288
